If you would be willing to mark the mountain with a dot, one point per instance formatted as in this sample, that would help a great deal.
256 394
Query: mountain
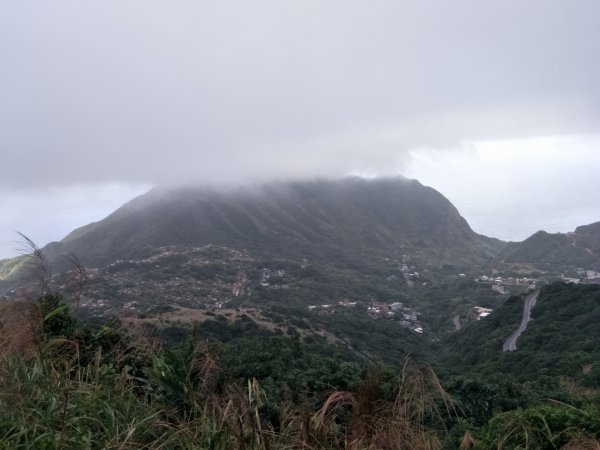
588 238
351 221
556 252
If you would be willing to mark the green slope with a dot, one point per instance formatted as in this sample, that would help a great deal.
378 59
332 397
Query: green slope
563 339
351 220
556 252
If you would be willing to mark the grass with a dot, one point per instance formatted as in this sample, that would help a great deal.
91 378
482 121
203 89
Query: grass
63 386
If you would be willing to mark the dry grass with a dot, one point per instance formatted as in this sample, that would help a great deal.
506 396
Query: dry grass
467 442
582 444
36 266
51 379
575 389
189 316
362 420
20 328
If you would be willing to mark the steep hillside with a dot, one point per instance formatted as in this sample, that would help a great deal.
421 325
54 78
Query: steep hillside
588 238
9 268
562 339
350 221
556 252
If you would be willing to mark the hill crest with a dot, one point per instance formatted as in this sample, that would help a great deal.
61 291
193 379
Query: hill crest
343 219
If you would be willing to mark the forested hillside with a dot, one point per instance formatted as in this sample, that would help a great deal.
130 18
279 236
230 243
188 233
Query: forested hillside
303 315
72 384
348 221
563 338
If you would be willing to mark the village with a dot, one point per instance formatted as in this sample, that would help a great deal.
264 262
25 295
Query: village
502 284
584 276
396 311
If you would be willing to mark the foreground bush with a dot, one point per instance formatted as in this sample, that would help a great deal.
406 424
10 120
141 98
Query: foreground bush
66 385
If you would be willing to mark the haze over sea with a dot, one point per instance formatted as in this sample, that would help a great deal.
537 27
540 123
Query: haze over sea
510 190
505 189
516 218
497 207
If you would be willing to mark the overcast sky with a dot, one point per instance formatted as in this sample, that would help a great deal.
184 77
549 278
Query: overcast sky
99 100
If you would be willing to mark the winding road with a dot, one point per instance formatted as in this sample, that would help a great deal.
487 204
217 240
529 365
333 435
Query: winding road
511 343
574 243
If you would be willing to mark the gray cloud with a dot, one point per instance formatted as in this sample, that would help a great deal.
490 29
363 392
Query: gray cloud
159 92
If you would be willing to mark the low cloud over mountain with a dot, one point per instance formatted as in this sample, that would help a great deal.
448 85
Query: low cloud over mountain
218 92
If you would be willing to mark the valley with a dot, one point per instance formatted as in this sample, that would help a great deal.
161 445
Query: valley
309 287
311 247
299 225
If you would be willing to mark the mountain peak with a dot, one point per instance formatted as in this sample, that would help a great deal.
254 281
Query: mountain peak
334 220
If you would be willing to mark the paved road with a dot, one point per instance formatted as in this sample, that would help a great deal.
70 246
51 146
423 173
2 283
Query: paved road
511 343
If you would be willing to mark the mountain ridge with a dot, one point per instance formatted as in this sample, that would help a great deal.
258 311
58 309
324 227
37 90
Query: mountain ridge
556 251
340 219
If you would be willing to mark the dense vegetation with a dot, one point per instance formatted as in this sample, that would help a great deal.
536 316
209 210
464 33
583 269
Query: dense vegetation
346 222
563 338
253 367
69 384
555 252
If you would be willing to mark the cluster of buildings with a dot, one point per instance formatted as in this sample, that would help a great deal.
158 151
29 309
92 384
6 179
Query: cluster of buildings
410 274
380 311
268 276
499 283
332 306
481 312
584 276
405 316
169 276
